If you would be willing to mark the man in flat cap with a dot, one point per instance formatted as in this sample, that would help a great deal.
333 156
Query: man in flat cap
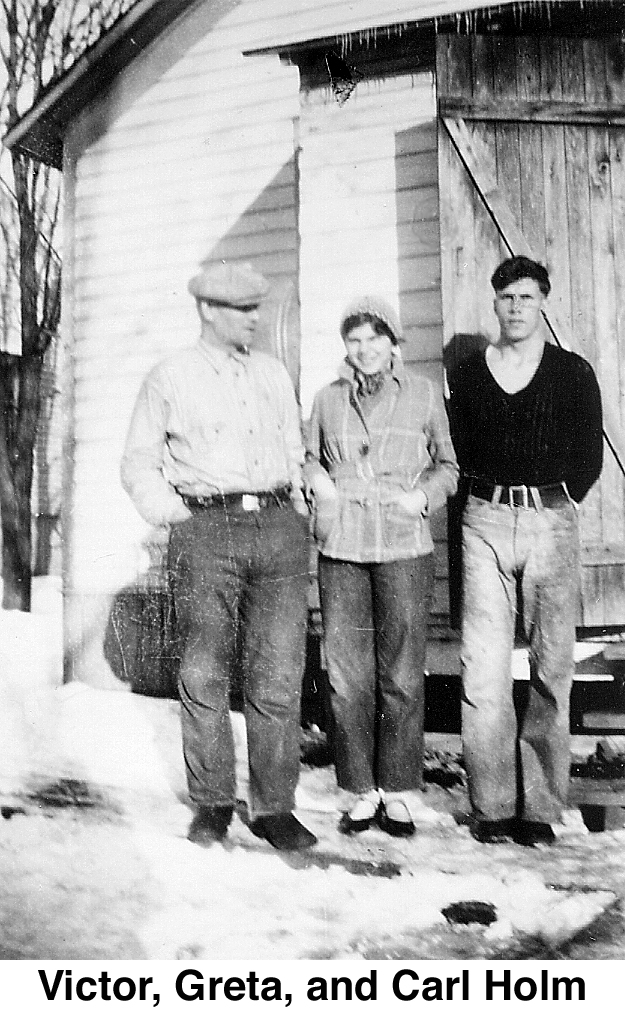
214 450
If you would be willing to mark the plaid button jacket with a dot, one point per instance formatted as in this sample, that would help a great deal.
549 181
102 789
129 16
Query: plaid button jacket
401 442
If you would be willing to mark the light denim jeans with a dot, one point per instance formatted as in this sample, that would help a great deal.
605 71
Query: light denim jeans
518 760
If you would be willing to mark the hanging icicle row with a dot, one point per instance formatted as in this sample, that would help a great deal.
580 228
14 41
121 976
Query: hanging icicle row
466 21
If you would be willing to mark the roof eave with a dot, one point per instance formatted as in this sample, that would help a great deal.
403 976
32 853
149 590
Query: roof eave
41 131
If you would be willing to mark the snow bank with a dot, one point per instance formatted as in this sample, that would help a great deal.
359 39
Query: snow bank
31 667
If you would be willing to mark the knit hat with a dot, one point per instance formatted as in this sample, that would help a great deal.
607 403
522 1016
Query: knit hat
234 284
377 307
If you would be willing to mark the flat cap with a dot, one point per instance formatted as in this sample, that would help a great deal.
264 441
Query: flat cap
378 308
227 283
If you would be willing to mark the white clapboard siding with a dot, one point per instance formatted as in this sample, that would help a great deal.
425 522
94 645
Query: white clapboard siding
280 217
209 157
241 179
278 22
170 126
111 265
369 223
369 214
161 106
196 164
199 153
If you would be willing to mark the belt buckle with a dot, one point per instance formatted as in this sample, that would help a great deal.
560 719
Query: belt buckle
249 501
522 489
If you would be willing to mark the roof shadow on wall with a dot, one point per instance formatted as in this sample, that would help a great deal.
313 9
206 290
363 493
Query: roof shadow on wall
266 236
139 641
113 96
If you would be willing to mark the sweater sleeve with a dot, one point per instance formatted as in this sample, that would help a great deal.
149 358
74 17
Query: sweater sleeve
441 479
586 449
456 414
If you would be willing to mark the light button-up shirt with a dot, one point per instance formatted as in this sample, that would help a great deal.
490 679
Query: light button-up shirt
210 421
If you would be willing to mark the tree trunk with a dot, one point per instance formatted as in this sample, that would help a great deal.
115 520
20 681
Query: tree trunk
16 574
20 387
39 38
20 393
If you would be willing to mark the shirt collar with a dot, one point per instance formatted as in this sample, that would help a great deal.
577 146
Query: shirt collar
222 358
398 369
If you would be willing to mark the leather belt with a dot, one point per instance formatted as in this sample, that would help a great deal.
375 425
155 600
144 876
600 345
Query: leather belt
523 497
247 501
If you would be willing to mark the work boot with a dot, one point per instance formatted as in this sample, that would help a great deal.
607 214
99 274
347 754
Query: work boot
210 824
531 833
284 832
498 830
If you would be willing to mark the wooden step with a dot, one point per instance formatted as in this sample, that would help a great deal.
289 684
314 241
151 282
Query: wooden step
595 661
614 651
597 791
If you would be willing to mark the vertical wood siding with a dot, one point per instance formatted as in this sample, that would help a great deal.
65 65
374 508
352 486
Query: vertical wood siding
564 184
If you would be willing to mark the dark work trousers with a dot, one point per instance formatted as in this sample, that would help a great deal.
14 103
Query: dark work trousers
375 622
239 581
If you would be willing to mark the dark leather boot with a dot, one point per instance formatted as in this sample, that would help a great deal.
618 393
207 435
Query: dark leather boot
284 832
210 824
528 833
497 830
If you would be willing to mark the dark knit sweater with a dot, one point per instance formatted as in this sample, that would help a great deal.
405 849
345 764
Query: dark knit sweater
548 432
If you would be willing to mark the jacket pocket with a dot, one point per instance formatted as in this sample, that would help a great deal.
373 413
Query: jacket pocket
399 528
325 516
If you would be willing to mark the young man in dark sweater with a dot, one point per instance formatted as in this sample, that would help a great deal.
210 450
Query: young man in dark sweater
526 425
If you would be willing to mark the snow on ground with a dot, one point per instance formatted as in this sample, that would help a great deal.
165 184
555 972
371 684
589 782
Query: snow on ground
129 872
215 906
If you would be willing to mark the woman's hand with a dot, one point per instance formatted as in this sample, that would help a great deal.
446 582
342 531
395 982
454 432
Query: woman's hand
319 488
414 502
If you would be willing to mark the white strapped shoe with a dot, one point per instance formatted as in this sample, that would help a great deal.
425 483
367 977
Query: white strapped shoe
403 810
361 814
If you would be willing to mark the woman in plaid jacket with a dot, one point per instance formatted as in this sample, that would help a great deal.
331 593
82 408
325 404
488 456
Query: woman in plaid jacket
380 461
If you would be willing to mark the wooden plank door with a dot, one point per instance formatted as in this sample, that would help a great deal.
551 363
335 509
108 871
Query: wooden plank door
531 161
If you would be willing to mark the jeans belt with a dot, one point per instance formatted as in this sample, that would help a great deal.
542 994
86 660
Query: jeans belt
240 500
525 497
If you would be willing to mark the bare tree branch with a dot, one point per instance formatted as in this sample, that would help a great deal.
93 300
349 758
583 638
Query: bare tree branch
39 39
